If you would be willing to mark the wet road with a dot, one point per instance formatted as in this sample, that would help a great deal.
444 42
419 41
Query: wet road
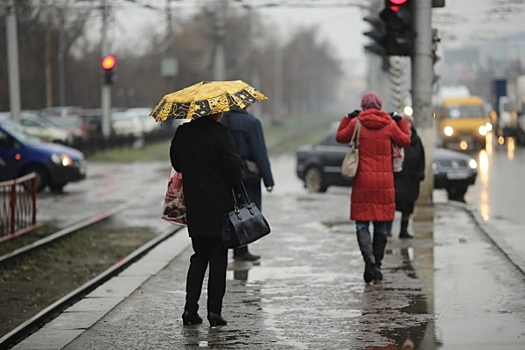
499 192
451 289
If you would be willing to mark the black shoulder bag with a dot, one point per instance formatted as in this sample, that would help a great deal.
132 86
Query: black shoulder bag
244 224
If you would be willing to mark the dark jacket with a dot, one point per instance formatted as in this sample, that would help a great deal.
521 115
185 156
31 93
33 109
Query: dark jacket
373 195
204 152
406 181
249 138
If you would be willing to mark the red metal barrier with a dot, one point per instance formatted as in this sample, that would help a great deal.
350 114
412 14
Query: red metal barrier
18 211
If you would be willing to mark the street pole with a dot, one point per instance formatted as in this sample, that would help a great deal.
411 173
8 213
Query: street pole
12 61
106 89
277 83
219 62
61 59
49 76
422 75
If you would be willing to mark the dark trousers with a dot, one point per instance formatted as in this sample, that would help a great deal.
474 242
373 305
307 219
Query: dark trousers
207 250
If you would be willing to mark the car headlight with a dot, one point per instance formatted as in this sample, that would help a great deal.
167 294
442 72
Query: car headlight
448 130
488 126
472 164
482 130
62 159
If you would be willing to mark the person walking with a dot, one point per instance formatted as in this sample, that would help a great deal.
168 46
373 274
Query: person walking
247 132
204 152
373 197
406 182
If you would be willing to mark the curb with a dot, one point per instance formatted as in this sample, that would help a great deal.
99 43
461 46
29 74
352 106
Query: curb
493 234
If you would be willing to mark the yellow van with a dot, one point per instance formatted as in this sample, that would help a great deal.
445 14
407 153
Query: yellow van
463 123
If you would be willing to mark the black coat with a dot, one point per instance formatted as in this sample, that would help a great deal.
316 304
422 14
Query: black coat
249 138
204 152
406 182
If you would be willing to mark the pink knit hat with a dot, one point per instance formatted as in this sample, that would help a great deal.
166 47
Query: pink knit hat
371 100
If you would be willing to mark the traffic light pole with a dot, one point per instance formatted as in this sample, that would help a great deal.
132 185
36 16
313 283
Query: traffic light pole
106 89
12 61
422 75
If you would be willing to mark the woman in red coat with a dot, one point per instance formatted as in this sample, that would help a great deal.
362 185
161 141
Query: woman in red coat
373 194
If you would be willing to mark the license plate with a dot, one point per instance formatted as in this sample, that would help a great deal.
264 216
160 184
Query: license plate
456 175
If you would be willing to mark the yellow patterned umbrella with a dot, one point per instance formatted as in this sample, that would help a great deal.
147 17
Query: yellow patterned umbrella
206 98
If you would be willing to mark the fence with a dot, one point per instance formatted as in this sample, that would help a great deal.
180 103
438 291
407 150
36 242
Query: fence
18 211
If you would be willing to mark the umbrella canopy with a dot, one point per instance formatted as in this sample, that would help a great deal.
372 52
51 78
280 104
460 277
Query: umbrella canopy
206 98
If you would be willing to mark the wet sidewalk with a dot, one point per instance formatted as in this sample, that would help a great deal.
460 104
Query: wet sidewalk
451 288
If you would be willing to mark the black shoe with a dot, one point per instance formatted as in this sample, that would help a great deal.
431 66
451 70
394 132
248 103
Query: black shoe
378 275
191 318
405 235
246 257
216 319
369 274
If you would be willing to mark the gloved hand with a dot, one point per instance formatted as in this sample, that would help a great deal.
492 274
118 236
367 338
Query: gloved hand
354 114
396 116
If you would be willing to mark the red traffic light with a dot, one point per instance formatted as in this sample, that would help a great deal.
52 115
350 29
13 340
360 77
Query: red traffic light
108 62
394 4
397 2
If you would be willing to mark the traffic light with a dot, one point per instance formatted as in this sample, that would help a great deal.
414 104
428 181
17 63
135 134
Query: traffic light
397 17
377 34
108 64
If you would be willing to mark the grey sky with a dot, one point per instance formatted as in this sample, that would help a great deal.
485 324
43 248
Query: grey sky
460 22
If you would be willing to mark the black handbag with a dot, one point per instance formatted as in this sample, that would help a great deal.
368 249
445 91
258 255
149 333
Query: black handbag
244 224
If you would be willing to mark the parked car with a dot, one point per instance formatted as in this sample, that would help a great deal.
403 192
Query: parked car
127 124
42 128
319 166
92 118
22 153
73 124
148 123
59 111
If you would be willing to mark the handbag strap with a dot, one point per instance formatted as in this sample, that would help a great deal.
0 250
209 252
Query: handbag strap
357 131
246 198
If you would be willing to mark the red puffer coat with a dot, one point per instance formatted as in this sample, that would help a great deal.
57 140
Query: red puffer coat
373 194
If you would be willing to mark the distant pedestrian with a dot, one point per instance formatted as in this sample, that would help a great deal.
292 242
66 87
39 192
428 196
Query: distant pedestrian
205 153
406 182
249 138
373 196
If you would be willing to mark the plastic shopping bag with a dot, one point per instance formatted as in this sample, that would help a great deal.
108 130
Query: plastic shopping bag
398 157
174 209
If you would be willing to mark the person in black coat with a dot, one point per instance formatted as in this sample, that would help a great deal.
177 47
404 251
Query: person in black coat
406 182
249 138
204 152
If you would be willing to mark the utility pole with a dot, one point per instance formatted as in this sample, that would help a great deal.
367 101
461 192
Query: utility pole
422 75
49 76
254 48
219 62
61 58
106 88
277 83
169 63
12 61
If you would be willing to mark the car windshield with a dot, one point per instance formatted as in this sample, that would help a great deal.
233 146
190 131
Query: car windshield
455 112
19 133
